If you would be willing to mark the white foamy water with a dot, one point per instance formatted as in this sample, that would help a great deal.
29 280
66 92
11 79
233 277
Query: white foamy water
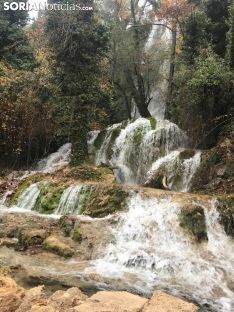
179 171
55 160
73 199
102 156
28 198
138 146
151 246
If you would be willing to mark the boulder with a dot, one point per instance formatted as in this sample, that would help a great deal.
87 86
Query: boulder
192 219
112 301
8 242
162 302
56 245
32 238
66 299
34 296
11 294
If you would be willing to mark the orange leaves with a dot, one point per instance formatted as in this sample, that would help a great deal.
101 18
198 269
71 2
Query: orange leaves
173 10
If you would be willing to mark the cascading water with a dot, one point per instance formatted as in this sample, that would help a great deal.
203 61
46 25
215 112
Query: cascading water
102 154
137 146
151 246
177 167
73 199
159 39
28 198
55 160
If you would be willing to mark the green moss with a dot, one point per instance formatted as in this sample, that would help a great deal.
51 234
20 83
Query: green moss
30 180
85 173
192 220
89 173
153 123
138 136
32 238
49 198
67 223
85 196
54 245
76 235
102 202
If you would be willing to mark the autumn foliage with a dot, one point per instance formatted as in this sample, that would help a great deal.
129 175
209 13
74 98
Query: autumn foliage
173 11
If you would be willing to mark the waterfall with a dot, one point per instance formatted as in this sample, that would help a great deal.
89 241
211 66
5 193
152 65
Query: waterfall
55 160
73 199
102 154
92 136
137 145
178 168
28 198
152 248
189 167
158 40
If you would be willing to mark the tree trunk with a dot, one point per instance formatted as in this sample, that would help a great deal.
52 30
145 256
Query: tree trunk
139 99
171 72
138 93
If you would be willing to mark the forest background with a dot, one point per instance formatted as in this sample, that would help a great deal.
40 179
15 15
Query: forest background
69 72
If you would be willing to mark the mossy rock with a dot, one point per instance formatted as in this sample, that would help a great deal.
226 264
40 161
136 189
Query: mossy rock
153 123
49 198
192 219
89 173
138 136
102 202
32 238
56 245
186 154
226 211
137 140
67 223
76 235
30 180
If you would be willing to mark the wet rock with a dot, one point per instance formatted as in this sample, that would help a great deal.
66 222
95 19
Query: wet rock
56 245
157 180
188 153
32 238
193 221
225 207
112 301
106 200
67 223
162 302
11 294
76 235
216 171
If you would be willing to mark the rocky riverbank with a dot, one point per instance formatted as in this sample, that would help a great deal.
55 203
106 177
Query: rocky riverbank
14 298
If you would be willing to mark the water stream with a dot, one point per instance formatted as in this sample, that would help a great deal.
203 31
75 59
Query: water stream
140 148
151 246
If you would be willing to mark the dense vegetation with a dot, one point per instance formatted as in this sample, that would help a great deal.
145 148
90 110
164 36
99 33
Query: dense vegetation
72 71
